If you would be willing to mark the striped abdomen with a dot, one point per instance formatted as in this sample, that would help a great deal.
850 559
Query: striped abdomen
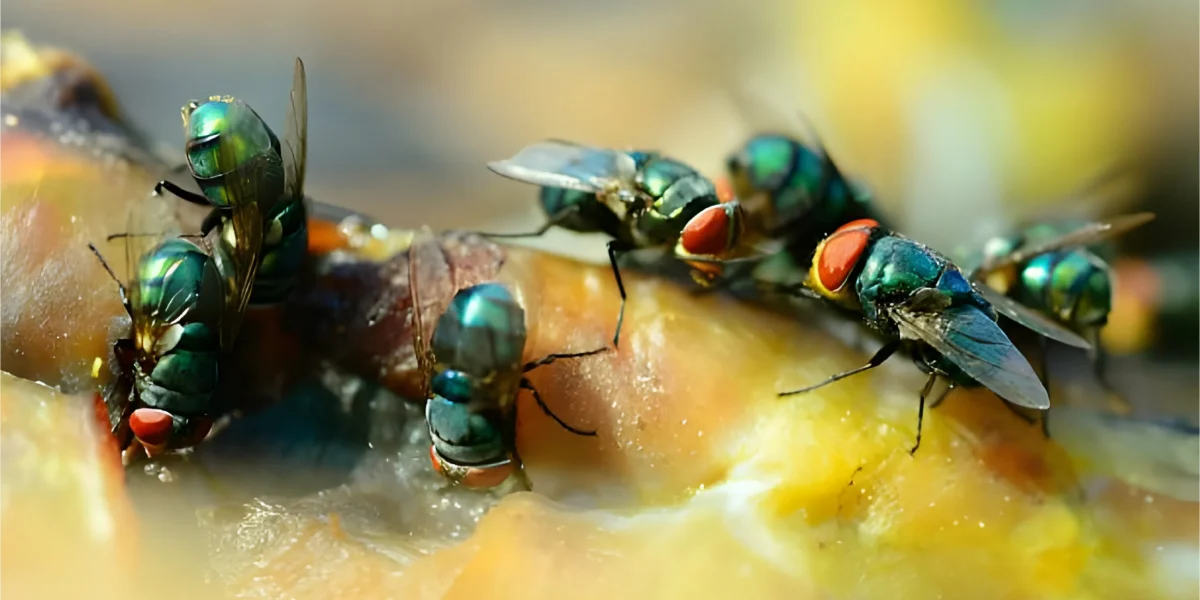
791 175
284 249
1072 286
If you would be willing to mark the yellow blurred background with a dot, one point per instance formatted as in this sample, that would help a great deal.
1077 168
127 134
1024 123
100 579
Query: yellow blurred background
952 112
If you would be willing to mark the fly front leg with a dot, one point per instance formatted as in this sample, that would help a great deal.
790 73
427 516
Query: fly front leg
880 357
180 193
615 249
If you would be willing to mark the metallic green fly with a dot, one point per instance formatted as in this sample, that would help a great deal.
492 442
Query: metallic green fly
256 186
640 199
471 373
166 361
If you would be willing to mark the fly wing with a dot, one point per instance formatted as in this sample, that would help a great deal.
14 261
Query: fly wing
1083 236
295 138
970 339
420 342
566 165
238 247
150 222
1030 318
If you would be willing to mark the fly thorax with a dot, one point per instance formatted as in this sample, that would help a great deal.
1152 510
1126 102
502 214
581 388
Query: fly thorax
672 211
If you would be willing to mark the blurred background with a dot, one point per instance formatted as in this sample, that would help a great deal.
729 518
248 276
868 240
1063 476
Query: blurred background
948 110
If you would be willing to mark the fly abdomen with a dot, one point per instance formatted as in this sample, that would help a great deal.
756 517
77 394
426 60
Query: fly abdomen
285 247
1073 286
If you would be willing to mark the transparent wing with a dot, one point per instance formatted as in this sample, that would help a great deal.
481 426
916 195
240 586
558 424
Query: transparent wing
238 247
295 137
420 341
560 164
971 340
1030 318
1084 236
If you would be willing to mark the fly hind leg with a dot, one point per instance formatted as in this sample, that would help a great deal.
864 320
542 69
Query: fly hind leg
526 385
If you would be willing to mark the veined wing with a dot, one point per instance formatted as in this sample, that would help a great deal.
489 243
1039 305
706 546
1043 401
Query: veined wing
295 137
238 247
1084 236
1030 318
559 164
151 221
420 341
974 342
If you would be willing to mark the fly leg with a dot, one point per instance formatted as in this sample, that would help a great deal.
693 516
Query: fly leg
180 193
550 358
1099 359
921 408
1043 350
553 221
882 355
616 248
526 385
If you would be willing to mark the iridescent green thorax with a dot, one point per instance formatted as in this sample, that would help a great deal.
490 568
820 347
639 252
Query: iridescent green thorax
896 267
678 193
1072 286
225 136
176 280
478 344
284 250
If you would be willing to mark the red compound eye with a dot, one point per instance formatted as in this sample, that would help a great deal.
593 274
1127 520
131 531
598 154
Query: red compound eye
151 426
473 477
841 251
707 233
488 477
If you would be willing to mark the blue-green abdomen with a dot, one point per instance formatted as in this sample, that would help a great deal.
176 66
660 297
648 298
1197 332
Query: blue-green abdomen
226 137
482 332
791 175
284 250
1072 286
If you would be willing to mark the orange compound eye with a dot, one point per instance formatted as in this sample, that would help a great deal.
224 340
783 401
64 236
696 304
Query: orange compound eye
840 252
709 232
151 426
724 189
